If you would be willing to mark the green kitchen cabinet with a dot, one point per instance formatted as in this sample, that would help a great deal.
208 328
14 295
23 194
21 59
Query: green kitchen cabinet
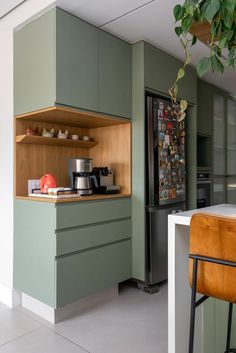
65 252
55 62
35 64
115 76
60 59
76 62
205 109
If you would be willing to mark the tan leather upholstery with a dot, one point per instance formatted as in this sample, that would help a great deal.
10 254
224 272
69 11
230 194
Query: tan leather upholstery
214 236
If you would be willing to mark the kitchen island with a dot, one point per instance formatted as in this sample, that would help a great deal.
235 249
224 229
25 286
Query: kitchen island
179 291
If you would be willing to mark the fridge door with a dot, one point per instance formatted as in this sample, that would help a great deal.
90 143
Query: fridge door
157 229
166 154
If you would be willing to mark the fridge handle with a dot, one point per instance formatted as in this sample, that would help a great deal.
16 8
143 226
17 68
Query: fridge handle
150 151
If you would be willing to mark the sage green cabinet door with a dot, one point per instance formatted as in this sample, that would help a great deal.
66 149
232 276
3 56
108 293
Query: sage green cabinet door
85 273
115 76
77 62
205 110
35 64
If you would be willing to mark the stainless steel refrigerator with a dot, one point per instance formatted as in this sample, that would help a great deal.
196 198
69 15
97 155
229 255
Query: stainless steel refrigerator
165 181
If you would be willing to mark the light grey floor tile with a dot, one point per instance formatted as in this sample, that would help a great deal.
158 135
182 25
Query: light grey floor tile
135 322
42 340
14 324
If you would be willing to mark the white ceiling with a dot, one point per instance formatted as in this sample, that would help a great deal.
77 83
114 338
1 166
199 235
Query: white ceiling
8 5
134 20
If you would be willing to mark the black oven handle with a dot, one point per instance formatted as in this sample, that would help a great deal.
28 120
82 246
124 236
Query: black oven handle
204 182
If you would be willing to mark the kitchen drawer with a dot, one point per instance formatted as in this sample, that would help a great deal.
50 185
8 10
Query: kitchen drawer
85 273
77 239
88 212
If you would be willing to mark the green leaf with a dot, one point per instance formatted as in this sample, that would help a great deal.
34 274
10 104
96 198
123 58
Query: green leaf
175 90
229 5
217 64
228 19
186 24
210 9
181 73
203 66
194 41
231 57
178 31
178 12
193 2
225 38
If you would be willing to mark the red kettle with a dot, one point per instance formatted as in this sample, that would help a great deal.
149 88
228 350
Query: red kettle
47 181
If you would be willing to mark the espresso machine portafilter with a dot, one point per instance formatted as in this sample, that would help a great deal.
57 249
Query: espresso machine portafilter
79 173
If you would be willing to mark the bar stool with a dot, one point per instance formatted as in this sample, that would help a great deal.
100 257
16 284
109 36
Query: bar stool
212 265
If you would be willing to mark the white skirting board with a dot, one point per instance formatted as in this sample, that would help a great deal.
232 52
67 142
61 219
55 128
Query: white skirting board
9 296
57 315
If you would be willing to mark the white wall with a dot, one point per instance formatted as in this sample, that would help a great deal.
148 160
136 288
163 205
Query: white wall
21 14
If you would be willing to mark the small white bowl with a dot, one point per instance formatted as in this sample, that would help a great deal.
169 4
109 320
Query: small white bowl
86 138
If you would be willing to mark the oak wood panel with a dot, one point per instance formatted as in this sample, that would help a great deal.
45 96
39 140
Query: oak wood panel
40 140
114 151
73 117
74 199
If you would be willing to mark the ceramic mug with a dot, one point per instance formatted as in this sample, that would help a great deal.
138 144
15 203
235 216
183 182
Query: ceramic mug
74 137
86 138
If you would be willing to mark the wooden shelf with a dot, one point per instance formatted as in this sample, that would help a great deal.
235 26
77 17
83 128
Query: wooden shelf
73 117
54 141
93 197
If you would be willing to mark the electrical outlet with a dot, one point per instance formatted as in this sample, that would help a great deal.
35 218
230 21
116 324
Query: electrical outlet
33 185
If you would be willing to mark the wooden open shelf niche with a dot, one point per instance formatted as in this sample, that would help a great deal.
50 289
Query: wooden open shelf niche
37 155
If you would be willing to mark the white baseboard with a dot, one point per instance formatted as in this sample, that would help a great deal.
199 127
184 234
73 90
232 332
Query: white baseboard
57 315
9 296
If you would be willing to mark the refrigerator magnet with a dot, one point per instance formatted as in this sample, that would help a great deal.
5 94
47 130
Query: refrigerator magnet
161 105
162 136
160 114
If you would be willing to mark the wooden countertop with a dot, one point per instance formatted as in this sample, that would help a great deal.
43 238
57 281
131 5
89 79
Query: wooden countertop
73 199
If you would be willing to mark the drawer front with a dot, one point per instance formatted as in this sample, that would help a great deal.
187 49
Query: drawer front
83 274
88 212
77 239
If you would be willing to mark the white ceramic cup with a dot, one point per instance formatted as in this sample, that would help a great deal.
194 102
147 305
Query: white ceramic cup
74 137
86 138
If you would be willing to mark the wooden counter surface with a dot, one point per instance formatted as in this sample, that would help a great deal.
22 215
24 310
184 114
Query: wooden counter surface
73 199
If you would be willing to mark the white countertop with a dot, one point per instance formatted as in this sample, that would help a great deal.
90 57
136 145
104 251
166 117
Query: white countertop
184 218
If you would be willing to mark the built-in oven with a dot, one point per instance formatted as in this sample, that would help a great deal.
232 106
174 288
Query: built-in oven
204 188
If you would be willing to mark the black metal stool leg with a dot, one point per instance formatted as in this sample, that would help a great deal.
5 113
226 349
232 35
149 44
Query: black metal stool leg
229 329
193 306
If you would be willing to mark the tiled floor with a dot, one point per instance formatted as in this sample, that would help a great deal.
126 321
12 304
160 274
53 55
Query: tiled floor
134 322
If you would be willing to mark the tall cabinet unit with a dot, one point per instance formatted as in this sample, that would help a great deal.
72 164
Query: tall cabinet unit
60 59
231 151
224 184
219 160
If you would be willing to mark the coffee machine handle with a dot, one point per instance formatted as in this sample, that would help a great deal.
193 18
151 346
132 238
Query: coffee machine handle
95 182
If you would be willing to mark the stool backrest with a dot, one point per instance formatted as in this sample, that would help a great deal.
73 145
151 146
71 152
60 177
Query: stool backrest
215 237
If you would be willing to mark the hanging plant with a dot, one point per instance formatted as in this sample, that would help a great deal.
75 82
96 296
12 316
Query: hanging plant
220 15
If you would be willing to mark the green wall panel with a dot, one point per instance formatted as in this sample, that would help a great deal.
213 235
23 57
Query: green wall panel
35 64
205 108
76 62
138 163
34 224
161 70
115 76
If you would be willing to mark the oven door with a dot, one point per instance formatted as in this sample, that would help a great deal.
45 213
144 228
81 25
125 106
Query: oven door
204 193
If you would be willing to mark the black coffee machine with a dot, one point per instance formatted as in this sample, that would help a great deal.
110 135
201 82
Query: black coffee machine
102 181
